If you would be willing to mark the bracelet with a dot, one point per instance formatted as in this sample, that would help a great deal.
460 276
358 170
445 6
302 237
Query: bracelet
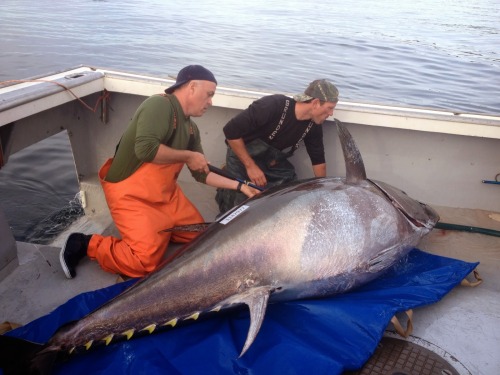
240 184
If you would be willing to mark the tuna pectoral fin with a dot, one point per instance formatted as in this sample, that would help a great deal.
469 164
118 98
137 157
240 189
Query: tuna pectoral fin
256 299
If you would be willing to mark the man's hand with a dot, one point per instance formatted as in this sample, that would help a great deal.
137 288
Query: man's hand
256 175
196 161
249 191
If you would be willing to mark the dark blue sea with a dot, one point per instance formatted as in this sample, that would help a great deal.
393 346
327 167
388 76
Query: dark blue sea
440 54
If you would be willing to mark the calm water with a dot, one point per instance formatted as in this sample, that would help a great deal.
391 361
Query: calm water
442 54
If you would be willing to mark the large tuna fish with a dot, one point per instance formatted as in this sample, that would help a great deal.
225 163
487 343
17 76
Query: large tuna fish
312 238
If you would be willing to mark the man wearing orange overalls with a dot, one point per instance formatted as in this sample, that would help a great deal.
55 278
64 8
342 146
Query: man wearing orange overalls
140 181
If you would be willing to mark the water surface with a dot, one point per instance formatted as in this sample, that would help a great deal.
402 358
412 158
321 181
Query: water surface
439 54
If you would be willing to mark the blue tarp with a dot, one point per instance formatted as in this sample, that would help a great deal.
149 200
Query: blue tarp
324 336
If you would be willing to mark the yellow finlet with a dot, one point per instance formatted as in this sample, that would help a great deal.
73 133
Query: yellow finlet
89 344
216 309
150 328
129 333
72 350
193 316
108 339
171 323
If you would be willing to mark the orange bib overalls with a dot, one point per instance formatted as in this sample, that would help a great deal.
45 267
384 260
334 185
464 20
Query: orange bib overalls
142 206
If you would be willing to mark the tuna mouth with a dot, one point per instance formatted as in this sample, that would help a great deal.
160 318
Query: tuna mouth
433 216
417 213
430 213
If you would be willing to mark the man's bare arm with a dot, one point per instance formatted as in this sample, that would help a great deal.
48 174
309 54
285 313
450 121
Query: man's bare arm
194 160
319 170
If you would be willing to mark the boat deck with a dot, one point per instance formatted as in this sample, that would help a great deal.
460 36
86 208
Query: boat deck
400 145
38 285
450 327
465 315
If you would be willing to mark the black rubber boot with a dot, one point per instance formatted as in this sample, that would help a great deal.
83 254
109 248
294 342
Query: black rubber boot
74 250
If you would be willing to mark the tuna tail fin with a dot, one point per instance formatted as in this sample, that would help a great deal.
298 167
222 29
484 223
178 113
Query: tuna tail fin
18 356
354 166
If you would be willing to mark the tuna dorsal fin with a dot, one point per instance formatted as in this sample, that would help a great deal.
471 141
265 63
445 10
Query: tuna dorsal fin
256 299
354 166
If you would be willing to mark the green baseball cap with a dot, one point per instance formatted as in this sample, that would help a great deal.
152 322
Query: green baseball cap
319 89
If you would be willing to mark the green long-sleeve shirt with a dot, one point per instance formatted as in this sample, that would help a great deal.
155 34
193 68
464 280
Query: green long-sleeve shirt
152 125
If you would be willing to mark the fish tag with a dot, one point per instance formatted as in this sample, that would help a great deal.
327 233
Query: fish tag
233 214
